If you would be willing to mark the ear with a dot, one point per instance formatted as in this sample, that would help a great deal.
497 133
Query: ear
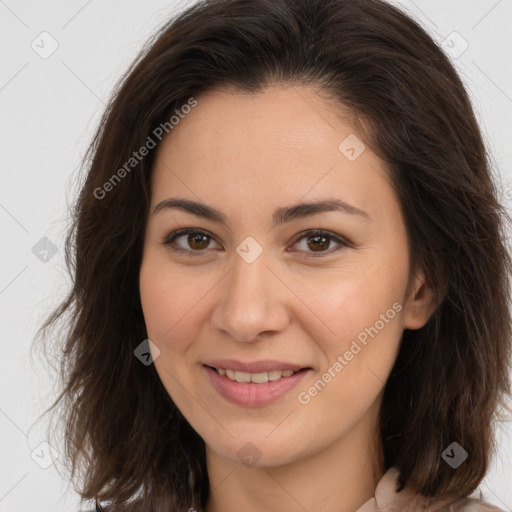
420 304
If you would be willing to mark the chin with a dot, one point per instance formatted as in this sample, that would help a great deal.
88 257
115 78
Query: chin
254 451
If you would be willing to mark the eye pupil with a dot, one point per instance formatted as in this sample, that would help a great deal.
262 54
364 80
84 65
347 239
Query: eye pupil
196 238
321 245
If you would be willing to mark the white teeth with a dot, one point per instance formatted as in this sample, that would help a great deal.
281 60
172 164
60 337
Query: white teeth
242 376
258 378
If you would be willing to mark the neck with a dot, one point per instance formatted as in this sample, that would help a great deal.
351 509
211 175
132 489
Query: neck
341 478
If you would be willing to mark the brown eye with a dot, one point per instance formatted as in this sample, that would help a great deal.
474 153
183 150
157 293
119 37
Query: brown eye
198 241
191 241
319 241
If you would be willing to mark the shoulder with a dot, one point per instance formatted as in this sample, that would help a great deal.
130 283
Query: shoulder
387 499
471 504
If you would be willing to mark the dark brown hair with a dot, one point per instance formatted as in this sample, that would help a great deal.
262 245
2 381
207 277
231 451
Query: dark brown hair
125 438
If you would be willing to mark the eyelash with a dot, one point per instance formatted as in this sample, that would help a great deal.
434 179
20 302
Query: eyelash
171 237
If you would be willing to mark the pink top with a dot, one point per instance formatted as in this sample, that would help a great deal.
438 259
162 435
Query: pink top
386 499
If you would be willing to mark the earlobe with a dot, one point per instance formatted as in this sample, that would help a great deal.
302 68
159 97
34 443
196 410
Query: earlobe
420 305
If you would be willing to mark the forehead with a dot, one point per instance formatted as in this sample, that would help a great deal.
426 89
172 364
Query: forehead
274 147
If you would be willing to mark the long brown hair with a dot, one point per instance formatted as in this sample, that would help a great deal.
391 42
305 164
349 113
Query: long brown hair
125 439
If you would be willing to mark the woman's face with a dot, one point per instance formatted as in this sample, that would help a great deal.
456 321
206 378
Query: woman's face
255 287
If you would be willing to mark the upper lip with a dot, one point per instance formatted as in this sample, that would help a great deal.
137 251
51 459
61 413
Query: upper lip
254 366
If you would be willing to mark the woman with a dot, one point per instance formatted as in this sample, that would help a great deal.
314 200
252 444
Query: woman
290 281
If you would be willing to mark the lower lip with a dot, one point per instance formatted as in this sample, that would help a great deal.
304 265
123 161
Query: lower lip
252 394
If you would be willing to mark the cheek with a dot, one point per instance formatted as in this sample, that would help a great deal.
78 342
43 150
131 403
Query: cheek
360 307
354 296
167 297
175 301
365 315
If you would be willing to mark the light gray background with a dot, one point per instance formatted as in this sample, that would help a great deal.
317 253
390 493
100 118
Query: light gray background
49 108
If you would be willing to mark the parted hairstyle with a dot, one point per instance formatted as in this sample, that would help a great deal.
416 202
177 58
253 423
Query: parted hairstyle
127 444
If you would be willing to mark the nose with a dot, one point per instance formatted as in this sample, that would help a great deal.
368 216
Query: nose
251 301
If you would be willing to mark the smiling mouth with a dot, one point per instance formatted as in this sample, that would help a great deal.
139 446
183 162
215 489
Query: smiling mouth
256 378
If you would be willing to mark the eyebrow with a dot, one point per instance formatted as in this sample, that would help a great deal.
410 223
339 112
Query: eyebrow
280 216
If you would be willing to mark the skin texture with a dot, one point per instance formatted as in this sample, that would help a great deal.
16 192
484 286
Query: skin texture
247 155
